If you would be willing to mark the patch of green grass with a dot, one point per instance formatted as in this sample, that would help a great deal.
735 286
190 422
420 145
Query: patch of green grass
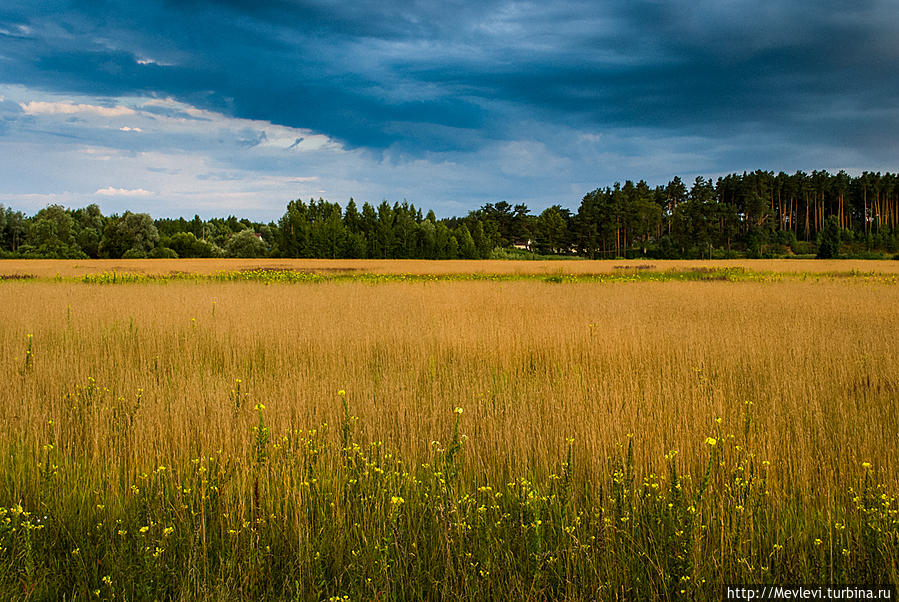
277 276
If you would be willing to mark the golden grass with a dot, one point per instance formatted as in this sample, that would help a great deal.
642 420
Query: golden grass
49 268
139 462
530 363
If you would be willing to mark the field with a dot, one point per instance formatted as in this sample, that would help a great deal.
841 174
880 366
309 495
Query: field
49 268
563 430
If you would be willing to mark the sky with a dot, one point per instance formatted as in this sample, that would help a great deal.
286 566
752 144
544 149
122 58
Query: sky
177 107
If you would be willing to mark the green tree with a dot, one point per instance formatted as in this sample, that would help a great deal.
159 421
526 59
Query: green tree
481 242
369 226
351 218
445 244
185 244
452 247
406 231
3 237
162 253
356 246
643 216
551 232
52 234
293 229
829 239
89 224
467 248
132 233
245 244
385 230
333 233
16 229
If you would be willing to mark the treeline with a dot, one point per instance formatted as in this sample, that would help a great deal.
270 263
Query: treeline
57 232
758 214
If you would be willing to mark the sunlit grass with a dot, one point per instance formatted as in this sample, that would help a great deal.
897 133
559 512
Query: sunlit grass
50 268
227 439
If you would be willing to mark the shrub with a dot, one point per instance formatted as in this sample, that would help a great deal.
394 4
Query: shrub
829 239
163 253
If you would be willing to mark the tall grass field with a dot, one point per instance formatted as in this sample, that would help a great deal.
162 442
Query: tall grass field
445 431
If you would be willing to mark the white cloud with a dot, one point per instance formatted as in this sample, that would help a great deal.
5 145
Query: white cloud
70 108
189 160
172 104
110 191
21 31
148 61
528 159
182 118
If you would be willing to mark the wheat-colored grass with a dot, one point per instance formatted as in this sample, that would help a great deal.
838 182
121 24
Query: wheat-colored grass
530 363
158 433
49 268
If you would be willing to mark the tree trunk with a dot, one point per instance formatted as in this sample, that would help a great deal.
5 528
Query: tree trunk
617 238
877 211
670 215
806 218
865 203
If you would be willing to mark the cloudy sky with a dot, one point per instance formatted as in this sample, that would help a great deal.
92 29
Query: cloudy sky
179 107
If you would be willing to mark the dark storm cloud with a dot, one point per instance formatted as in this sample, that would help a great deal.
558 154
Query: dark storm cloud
429 76
290 64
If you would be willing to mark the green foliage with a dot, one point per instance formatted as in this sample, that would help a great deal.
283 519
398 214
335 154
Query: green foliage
523 254
52 234
245 244
757 215
90 225
829 239
132 233
551 231
624 274
186 244
162 253
467 247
